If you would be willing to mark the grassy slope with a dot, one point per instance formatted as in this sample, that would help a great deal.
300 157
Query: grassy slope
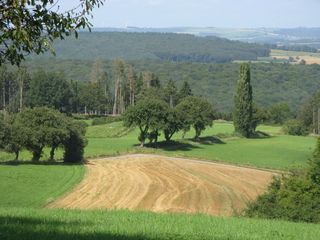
59 224
32 186
276 152
29 185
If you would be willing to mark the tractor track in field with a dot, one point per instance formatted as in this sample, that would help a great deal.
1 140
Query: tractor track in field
165 184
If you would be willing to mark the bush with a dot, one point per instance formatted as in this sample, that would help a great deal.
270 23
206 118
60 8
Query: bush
75 144
295 127
105 120
99 121
295 197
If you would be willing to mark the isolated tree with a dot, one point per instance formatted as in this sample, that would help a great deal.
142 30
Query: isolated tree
243 113
31 26
148 115
197 113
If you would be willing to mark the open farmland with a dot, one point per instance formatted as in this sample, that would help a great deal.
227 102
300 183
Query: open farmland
163 184
310 58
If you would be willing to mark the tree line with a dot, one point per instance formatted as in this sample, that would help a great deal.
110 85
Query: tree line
39 128
103 93
273 82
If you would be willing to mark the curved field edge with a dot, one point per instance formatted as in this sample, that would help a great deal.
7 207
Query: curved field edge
31 224
28 185
280 152
165 184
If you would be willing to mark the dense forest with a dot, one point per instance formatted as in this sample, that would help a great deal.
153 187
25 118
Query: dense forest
156 46
272 83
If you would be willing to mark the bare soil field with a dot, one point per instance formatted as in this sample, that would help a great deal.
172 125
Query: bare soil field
165 184
310 58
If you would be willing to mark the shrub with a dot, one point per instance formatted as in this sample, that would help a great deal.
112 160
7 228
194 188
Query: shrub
75 144
295 127
99 121
295 197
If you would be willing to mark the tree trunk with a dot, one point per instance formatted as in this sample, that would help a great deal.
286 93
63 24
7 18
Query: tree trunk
52 151
16 155
314 117
318 120
36 155
4 95
171 101
133 99
21 94
114 112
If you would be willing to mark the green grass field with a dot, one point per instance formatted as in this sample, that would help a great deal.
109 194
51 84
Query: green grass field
275 152
27 188
31 224
28 185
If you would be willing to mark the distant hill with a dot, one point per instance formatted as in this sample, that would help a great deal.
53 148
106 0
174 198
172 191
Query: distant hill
282 36
156 46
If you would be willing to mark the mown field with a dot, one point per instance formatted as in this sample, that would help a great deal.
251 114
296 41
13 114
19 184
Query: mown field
276 151
28 185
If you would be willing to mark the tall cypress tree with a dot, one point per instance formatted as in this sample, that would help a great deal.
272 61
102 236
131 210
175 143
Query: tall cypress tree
242 117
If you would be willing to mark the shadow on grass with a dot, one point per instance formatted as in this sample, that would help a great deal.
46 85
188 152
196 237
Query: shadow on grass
209 140
172 146
36 228
16 228
40 163
260 135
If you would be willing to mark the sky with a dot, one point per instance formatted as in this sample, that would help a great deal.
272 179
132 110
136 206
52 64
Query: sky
206 13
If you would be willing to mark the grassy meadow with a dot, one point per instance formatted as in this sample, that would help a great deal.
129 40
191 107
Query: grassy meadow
276 151
30 224
27 188
28 185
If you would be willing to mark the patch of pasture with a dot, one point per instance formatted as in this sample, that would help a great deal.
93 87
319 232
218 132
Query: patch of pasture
29 185
30 224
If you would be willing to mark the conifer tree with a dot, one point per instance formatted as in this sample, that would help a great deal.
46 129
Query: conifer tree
185 90
242 117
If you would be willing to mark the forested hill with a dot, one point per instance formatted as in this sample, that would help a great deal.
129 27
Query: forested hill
156 46
272 83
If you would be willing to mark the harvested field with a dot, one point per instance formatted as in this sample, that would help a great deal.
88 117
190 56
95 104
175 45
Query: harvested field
165 184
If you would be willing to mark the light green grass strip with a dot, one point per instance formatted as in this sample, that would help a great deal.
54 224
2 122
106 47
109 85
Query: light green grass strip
30 224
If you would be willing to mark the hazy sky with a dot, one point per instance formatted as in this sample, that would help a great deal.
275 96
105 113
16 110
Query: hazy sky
206 13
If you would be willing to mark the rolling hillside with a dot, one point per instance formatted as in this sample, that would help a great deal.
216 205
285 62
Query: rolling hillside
156 46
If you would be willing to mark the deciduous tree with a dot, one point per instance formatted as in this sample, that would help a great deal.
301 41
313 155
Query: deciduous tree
31 26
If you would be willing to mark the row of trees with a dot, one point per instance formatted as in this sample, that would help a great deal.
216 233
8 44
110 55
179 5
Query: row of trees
104 94
152 116
38 128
